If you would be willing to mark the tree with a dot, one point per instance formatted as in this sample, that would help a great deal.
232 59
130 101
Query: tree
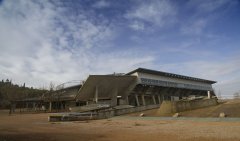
51 86
10 92
219 94
236 95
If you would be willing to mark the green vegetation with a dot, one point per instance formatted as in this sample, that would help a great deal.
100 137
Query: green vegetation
10 92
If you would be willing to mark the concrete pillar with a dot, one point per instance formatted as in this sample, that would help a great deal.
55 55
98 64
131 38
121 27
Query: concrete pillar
14 107
127 102
143 100
114 97
61 105
27 106
163 98
136 97
34 106
159 99
50 106
154 100
96 94
209 94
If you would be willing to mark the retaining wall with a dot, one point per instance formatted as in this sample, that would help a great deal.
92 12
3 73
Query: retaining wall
108 113
180 106
117 112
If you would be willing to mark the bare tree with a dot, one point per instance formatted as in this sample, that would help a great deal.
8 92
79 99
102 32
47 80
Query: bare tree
236 95
51 86
219 94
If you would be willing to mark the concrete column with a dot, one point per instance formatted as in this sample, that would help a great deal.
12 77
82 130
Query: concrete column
27 106
209 94
34 106
143 100
154 100
136 97
50 106
61 105
14 107
159 99
96 94
163 98
127 102
114 97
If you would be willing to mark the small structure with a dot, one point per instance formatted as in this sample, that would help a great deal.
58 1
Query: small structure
27 105
62 99
176 115
222 115
52 101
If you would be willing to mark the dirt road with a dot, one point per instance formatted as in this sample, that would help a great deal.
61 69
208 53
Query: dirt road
35 127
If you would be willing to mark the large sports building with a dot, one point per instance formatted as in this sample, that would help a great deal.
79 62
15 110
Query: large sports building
142 87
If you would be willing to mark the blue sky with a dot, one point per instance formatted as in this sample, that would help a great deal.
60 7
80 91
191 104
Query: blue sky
57 41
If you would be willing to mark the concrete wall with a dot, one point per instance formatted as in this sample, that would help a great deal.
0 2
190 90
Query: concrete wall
97 115
179 106
117 112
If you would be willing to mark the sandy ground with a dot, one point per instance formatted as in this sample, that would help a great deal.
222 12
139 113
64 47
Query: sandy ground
35 127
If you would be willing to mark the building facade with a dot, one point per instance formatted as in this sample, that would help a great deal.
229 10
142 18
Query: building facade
142 87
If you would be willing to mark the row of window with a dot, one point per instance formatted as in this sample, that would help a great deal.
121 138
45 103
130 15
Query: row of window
173 84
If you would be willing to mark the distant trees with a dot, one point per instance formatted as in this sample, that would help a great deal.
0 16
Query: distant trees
236 95
51 86
219 94
10 92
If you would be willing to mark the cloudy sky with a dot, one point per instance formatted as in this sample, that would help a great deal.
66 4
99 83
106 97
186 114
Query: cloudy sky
58 41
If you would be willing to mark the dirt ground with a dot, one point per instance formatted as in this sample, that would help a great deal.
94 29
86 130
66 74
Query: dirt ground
35 127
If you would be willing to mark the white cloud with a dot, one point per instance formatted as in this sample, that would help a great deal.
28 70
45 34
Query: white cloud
136 25
101 4
40 42
43 41
226 72
204 13
156 12
194 27
210 5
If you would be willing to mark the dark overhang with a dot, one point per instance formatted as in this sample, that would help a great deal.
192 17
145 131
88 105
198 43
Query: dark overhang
166 74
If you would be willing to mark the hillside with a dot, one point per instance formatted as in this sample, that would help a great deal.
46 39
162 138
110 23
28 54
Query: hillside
230 107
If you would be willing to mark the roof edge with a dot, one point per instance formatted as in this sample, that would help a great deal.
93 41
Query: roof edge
144 70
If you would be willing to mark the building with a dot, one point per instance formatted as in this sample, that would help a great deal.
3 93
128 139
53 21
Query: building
52 101
142 87
62 99
139 88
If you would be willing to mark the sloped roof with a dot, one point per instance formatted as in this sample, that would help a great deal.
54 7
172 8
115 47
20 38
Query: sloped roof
68 93
106 85
161 73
